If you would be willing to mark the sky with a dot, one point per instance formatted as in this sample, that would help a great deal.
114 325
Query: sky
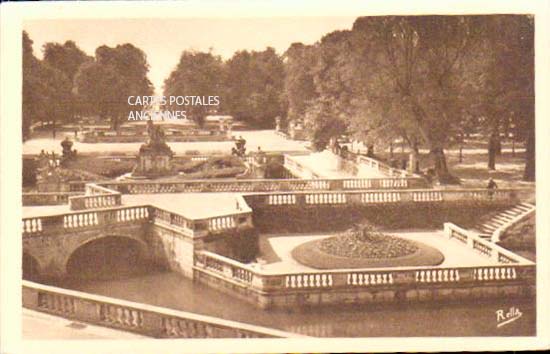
163 40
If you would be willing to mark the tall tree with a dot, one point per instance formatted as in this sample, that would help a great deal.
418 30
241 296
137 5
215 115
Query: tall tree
417 74
508 96
105 83
299 88
32 88
254 87
197 74
66 59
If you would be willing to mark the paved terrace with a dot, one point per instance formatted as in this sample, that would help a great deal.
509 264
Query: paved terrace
276 251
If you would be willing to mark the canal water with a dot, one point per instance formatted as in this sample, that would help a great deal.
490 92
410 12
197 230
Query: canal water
171 290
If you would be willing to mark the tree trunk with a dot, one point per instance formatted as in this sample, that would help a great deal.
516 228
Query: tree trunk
529 173
492 151
370 150
498 146
440 167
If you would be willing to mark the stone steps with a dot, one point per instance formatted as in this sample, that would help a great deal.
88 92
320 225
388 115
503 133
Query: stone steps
487 228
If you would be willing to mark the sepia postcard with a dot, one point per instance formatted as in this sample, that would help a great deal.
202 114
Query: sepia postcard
274 177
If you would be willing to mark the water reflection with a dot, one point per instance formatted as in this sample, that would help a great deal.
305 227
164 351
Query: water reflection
171 290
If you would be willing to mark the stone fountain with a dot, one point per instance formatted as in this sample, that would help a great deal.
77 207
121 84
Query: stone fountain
155 156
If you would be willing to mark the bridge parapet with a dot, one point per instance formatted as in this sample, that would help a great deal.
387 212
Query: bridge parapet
43 225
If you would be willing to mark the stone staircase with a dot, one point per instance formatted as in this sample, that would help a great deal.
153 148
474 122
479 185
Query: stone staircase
487 228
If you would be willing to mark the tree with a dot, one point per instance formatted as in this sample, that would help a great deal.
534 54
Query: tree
253 84
299 86
197 74
417 74
508 98
32 87
105 83
66 59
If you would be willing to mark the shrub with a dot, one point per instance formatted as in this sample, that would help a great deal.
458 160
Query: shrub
321 218
240 245
29 172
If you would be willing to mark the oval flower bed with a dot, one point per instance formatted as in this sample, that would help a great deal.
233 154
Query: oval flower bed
363 247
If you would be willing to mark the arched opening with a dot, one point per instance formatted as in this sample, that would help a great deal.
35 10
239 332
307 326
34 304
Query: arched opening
30 267
108 258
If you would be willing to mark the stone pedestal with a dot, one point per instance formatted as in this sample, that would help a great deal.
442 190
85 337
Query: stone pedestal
154 162
155 156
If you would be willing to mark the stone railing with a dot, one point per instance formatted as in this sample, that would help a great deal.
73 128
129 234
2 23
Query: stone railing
297 169
96 197
263 185
45 225
381 167
254 278
38 226
495 236
48 198
174 221
489 249
134 317
386 196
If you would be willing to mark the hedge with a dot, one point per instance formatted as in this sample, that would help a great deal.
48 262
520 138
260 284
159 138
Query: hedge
323 218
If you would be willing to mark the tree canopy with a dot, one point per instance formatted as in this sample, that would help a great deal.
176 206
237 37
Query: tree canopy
105 83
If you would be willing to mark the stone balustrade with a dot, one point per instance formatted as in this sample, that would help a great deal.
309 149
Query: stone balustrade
254 278
48 198
385 196
484 247
97 218
262 185
95 201
96 197
134 317
381 167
